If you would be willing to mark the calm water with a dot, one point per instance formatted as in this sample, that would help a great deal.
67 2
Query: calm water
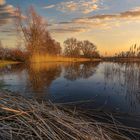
109 86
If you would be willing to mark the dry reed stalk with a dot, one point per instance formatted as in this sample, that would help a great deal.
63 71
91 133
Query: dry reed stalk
28 119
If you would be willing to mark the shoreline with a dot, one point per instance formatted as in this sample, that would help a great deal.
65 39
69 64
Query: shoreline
47 58
72 60
121 59
129 59
44 120
6 62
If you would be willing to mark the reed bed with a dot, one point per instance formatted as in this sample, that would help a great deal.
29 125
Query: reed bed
48 58
28 119
4 63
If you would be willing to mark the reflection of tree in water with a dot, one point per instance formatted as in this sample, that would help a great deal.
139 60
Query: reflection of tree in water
15 68
88 69
127 75
75 71
41 76
72 71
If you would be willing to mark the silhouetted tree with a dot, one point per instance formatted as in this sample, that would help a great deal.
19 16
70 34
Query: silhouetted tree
72 47
95 54
88 48
75 48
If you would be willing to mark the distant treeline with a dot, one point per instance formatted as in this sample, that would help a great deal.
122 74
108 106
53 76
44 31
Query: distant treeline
76 48
37 40
14 54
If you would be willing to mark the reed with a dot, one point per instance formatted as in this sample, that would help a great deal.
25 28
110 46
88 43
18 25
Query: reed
28 119
48 58
5 62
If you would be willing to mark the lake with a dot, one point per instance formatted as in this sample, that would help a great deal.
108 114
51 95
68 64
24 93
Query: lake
107 86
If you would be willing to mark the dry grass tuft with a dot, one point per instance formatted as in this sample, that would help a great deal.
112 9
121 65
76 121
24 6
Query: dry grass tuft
28 119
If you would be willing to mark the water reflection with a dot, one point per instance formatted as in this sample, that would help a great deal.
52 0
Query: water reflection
117 85
8 69
38 77
127 77
41 75
76 71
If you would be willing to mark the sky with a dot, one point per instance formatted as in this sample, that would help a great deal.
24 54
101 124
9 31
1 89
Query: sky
112 25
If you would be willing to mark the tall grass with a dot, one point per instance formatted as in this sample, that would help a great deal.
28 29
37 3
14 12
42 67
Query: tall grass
48 58
28 119
4 62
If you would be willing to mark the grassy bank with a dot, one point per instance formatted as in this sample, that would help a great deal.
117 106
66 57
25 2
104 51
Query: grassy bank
5 62
48 58
27 119
129 59
123 59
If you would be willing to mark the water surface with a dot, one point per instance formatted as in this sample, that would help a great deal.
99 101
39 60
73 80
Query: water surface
107 85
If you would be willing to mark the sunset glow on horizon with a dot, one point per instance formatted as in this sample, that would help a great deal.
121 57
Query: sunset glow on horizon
113 26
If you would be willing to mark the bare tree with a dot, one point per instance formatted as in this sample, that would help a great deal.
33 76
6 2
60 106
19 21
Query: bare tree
35 33
72 47
88 48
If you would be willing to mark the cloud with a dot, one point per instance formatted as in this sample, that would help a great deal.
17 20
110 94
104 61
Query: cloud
90 9
2 2
68 6
49 7
127 15
7 12
83 6
102 21
68 30
8 31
